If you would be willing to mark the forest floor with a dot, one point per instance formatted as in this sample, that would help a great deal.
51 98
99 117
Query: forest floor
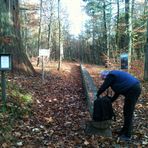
57 115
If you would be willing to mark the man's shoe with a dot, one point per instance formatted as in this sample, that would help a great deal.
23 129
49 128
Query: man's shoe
124 138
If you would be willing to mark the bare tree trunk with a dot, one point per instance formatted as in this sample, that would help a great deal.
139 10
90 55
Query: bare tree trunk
146 61
21 61
93 40
49 34
40 22
50 25
117 27
60 57
146 52
109 31
105 28
128 19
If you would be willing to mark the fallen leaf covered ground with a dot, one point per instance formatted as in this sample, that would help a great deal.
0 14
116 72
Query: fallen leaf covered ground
59 112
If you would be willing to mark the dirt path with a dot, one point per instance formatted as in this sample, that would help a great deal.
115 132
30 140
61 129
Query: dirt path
62 108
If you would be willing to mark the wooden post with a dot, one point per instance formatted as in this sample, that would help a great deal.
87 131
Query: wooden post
43 68
3 81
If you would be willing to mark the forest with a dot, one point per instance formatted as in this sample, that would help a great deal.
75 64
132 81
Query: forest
31 115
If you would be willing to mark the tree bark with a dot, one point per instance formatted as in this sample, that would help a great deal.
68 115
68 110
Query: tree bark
105 27
146 54
128 20
20 61
60 57
50 25
117 27
40 21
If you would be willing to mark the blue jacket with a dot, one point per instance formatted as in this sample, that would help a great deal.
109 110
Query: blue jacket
123 81
119 81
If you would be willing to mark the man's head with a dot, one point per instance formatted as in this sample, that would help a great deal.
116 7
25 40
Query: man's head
104 74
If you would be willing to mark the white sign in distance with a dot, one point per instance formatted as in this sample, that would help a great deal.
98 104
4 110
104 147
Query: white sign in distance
44 52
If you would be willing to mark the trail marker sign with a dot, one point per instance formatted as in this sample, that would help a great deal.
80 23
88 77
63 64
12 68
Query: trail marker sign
5 62
5 65
124 61
44 52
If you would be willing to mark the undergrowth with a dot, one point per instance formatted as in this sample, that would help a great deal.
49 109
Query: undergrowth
17 107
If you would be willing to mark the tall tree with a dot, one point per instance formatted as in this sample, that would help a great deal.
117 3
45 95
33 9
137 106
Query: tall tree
50 24
21 62
40 25
146 47
101 17
59 22
128 20
117 27
105 27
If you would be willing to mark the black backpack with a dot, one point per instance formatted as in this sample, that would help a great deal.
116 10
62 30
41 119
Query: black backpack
103 110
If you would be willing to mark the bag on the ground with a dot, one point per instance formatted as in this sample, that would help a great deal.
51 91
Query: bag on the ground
102 109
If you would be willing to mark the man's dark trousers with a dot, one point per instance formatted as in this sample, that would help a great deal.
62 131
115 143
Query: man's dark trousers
131 97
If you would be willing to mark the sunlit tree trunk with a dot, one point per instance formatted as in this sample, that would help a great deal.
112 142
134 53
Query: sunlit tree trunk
117 28
49 34
146 49
109 30
40 22
105 27
93 39
50 24
60 56
128 19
